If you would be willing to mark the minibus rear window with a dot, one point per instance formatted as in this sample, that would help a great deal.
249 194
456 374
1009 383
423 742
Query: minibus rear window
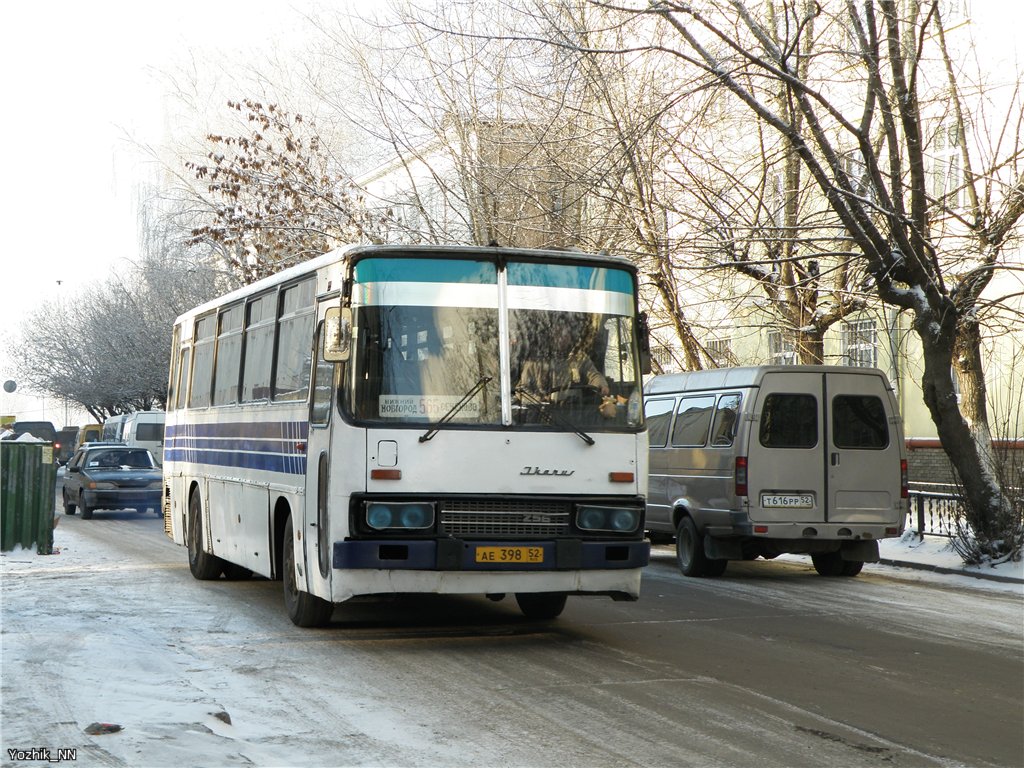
858 421
789 421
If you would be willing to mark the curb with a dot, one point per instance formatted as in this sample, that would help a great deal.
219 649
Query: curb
951 571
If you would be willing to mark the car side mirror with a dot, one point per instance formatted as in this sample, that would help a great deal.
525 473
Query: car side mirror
74 469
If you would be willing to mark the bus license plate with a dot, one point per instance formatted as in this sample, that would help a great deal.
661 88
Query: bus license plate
509 555
787 500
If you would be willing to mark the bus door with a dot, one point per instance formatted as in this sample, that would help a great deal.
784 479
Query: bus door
316 538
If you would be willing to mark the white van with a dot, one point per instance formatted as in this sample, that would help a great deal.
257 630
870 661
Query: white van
145 429
761 461
113 428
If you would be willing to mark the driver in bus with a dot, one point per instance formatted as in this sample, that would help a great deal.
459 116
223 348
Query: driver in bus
560 380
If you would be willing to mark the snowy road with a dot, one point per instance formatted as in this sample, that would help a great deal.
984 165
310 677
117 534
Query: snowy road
768 666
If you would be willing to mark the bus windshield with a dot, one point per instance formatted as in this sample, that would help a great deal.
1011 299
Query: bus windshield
538 344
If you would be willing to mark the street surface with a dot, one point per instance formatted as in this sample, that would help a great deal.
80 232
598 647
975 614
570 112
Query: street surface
770 665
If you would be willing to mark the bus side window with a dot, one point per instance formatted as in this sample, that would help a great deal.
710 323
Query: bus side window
294 330
202 362
258 347
183 370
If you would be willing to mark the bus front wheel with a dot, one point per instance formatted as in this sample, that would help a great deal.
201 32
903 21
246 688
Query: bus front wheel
541 605
203 565
304 609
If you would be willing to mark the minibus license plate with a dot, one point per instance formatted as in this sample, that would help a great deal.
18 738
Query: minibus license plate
787 500
509 555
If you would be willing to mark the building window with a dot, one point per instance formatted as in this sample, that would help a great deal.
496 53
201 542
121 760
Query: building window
663 358
720 351
947 182
781 348
860 344
954 12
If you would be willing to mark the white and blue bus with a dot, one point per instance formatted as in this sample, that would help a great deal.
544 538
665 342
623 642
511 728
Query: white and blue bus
394 420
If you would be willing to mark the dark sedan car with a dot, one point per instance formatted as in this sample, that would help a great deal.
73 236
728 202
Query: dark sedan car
112 476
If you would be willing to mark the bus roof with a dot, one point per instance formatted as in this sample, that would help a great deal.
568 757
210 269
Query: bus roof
356 252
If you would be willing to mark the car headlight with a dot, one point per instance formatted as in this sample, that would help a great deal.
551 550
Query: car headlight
390 515
156 484
599 518
101 486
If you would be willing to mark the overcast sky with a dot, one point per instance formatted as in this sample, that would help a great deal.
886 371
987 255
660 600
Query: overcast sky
82 82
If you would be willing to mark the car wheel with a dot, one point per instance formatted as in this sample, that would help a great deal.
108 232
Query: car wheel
690 552
828 563
852 567
541 605
86 509
304 609
69 508
202 564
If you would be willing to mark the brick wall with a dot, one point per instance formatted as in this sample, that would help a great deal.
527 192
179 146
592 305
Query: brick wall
928 463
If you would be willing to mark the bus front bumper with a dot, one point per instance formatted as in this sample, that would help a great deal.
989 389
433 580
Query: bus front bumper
478 556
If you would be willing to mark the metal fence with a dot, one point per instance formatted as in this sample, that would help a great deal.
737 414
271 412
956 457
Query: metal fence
933 513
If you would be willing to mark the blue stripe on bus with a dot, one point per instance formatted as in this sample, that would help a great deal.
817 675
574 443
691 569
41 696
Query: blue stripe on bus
570 276
426 271
268 445
271 462
291 430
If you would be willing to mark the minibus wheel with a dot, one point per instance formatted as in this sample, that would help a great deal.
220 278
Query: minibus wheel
304 609
852 567
690 552
829 563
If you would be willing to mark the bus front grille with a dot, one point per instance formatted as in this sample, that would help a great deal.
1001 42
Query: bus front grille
504 518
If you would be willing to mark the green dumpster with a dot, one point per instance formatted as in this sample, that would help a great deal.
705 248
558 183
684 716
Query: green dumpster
28 485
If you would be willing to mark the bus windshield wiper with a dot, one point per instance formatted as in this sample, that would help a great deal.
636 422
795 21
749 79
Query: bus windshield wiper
550 415
429 434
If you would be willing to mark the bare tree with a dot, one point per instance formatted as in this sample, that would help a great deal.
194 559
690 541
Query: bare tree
108 347
890 212
275 196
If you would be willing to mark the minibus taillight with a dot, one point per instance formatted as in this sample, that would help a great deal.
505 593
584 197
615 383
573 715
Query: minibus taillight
904 480
741 475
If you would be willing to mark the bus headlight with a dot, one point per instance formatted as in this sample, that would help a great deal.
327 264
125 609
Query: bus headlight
390 515
617 519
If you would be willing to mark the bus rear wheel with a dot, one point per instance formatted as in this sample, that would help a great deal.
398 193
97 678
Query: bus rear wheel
541 605
202 564
304 609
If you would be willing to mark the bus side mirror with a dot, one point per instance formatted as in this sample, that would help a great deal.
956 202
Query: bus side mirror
337 334
644 338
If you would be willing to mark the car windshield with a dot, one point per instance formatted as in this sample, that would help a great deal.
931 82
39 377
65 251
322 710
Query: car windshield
123 458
